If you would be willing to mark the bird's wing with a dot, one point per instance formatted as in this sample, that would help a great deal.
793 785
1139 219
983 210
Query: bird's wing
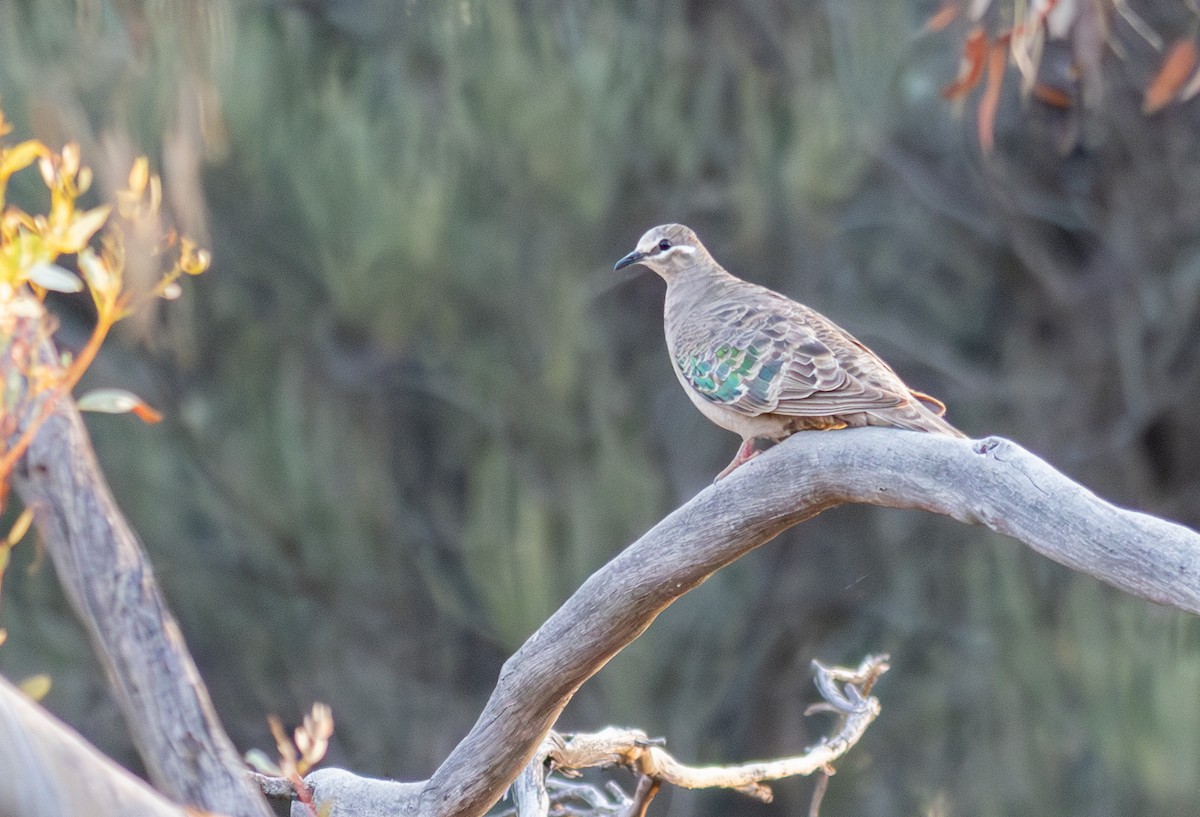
777 357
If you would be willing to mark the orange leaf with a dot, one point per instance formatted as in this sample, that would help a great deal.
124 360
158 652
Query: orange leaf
1176 69
990 101
971 70
943 16
1052 96
147 414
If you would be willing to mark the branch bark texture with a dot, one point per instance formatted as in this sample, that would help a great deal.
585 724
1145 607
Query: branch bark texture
49 769
106 576
990 482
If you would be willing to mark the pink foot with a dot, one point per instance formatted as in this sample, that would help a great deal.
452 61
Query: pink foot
750 449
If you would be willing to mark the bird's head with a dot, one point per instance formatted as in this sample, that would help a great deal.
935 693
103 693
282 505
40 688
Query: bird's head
666 249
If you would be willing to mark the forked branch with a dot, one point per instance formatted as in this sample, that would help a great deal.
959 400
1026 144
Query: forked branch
846 692
991 482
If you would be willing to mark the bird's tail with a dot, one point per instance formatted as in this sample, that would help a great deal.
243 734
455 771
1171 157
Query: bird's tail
921 414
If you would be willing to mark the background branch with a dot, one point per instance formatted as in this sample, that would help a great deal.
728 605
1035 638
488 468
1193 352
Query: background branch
49 769
106 576
992 482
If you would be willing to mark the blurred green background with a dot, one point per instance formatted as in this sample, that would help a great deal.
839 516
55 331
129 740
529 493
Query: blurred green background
410 407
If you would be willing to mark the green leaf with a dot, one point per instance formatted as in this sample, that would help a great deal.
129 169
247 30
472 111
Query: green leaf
258 760
118 401
108 401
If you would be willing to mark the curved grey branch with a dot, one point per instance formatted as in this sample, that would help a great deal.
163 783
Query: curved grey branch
991 482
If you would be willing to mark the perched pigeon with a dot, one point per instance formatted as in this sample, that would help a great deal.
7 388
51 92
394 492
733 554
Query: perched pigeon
764 366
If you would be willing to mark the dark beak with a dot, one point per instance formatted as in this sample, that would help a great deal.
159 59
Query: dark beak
632 258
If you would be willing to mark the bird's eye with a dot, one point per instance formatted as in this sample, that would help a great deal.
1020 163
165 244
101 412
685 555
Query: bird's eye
664 245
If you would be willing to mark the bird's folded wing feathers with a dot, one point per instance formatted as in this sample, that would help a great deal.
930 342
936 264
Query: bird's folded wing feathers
757 360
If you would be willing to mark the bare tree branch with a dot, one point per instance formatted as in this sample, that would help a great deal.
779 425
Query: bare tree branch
49 769
276 788
992 482
654 765
109 581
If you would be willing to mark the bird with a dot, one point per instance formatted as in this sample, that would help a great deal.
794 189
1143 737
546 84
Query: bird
763 366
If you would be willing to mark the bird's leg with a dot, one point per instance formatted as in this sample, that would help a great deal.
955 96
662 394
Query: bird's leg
751 448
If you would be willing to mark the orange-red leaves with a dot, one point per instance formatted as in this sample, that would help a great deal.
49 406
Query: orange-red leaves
147 413
1052 96
1175 71
943 16
990 101
974 51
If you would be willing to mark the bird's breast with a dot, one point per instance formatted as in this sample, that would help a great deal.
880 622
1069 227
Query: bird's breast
740 423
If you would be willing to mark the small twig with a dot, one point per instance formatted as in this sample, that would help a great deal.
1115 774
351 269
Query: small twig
814 807
277 788
559 796
845 693
647 789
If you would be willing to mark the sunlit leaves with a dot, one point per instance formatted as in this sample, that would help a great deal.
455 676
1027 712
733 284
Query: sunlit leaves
139 175
15 534
30 245
299 753
312 736
36 686
17 158
21 527
83 228
95 272
143 195
193 260
35 253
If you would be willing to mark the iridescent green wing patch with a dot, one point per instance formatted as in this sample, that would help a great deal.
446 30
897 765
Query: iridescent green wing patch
740 378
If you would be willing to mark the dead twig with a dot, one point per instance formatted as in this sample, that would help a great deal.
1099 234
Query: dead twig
845 693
